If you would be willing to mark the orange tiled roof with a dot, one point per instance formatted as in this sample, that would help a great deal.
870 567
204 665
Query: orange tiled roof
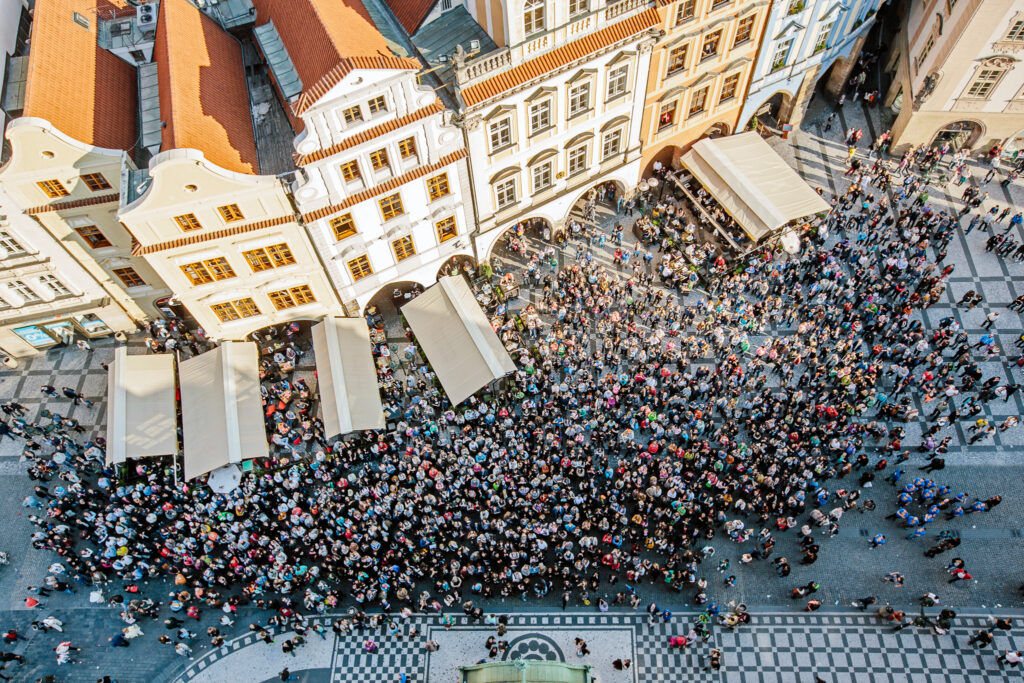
392 184
203 98
326 39
559 57
84 91
200 237
370 134
74 204
411 13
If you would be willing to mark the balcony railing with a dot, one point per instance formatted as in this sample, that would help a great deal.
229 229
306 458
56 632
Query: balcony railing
620 8
481 66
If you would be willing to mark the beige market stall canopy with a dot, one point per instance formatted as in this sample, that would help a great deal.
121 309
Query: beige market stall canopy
141 420
349 398
221 408
456 337
752 182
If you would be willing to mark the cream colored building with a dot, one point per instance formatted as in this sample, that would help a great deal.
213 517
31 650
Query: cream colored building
700 70
226 240
76 129
958 74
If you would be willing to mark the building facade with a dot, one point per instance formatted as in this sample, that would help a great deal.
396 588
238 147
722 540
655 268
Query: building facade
555 109
806 41
76 129
958 75
383 178
226 239
700 70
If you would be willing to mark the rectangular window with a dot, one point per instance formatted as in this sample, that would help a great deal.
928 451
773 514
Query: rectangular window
187 222
274 256
353 114
533 16
379 159
505 193
202 272
294 296
377 105
360 267
235 310
343 226
618 79
407 148
744 30
924 52
437 186
54 189
10 245
612 144
686 10
230 213
540 117
129 277
446 229
92 236
500 134
54 285
579 99
1016 33
542 176
26 292
699 101
403 248
95 181
577 7
677 59
667 117
821 42
391 206
577 161
711 43
796 6
729 87
781 54
715 4
985 83
350 171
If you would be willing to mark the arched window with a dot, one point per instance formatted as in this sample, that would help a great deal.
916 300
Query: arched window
533 16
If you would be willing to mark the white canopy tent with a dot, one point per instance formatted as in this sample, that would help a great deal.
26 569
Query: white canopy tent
456 337
349 398
752 182
221 408
141 420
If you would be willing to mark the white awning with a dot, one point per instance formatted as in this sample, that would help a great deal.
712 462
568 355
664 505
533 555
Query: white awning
141 419
221 408
349 398
456 337
752 182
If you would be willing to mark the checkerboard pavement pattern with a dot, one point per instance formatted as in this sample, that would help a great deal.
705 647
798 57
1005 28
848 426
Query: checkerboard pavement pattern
776 647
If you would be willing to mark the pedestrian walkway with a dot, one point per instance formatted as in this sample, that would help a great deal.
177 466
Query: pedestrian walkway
838 647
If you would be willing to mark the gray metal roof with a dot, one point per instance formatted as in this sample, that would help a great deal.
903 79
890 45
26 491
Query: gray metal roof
440 37
17 77
149 107
280 62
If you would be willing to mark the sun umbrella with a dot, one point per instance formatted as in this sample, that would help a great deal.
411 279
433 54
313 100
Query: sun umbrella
224 479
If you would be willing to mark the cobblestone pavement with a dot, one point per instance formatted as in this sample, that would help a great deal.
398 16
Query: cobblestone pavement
782 645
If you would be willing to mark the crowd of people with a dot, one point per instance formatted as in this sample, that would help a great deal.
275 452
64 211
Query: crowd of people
642 439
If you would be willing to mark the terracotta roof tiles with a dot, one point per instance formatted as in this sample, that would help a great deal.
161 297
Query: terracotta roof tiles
200 237
559 57
326 39
84 91
411 13
392 184
74 204
370 134
203 96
